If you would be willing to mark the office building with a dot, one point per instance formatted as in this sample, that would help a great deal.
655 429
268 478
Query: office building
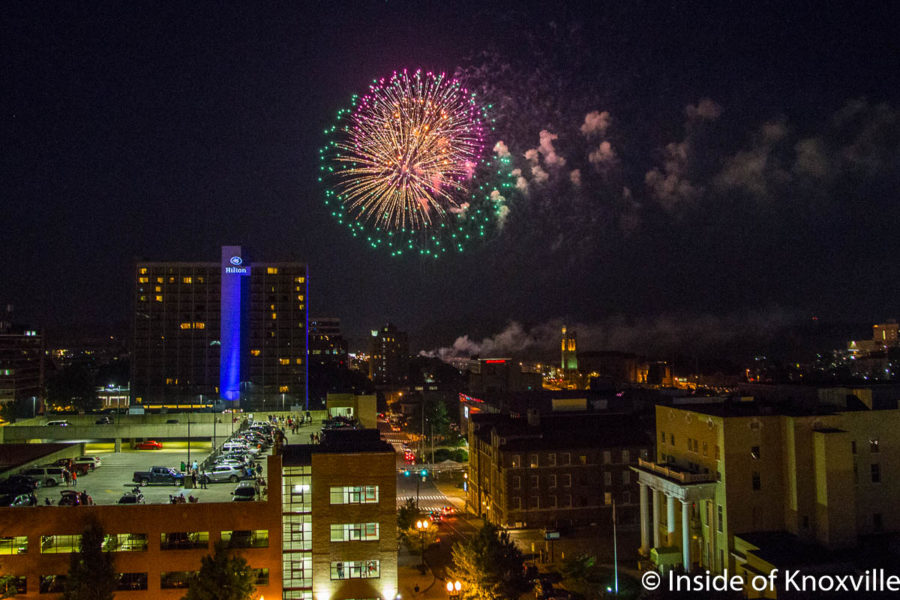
388 356
555 470
21 361
233 330
490 375
750 487
340 518
327 345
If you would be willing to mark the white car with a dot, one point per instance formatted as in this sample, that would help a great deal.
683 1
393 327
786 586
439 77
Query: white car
92 461
223 472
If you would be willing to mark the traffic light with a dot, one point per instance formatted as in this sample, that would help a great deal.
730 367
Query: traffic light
424 474
406 473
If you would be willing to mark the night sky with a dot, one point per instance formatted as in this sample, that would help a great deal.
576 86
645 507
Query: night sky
745 179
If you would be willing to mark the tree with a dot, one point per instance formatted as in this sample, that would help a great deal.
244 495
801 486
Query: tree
436 415
73 386
407 515
490 566
8 587
581 575
222 576
92 573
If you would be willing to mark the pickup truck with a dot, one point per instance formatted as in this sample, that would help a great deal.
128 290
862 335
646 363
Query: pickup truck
158 475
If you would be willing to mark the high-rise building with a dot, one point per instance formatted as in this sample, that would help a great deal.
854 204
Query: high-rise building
340 518
388 355
569 360
21 361
327 345
232 330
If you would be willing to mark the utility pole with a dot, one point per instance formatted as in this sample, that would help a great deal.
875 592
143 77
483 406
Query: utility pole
615 552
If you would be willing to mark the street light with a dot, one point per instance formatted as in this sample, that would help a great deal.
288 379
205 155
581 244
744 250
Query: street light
422 527
453 588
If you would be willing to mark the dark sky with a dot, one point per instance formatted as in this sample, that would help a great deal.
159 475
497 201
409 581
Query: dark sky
164 130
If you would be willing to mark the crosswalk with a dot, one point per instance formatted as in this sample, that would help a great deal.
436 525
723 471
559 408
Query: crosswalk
426 501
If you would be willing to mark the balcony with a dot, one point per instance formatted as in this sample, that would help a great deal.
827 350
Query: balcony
675 473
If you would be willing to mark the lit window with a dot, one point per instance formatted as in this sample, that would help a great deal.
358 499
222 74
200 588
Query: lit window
186 280
159 280
159 298
367 494
185 325
272 270
143 270
300 279
368 569
271 307
283 389
351 532
300 298
274 316
254 352
143 280
157 288
199 325
299 361
284 361
143 298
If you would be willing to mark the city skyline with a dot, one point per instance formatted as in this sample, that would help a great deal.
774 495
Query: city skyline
737 168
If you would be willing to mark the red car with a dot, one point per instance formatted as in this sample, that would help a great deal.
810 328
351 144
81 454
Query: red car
148 445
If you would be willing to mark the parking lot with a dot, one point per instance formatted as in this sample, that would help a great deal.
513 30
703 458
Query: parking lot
114 477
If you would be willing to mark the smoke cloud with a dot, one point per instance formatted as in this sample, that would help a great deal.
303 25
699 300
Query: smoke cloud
595 123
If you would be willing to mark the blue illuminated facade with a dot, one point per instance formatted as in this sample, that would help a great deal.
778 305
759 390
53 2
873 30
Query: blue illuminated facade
235 294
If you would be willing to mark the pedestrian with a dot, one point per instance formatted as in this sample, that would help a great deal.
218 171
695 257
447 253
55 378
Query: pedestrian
194 479
258 469
196 466
74 479
67 477
183 466
203 481
312 437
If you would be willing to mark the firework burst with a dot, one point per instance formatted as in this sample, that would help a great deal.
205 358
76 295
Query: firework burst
402 163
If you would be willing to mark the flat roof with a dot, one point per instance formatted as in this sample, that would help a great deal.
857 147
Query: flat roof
16 455
354 441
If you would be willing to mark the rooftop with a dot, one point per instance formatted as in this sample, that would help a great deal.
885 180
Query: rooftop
354 441
15 455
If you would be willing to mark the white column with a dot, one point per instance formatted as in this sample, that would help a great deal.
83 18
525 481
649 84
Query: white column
655 517
645 530
670 520
686 535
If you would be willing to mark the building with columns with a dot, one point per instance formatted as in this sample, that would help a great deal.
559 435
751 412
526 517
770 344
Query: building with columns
742 485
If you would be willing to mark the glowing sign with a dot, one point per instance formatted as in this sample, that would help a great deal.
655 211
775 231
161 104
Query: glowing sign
236 261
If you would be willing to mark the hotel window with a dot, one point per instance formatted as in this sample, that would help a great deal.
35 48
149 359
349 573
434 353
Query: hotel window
187 280
158 298
181 540
626 456
60 544
157 288
246 538
143 280
721 518
159 280
143 298
551 459
876 473
535 481
517 483
175 580
131 581
254 352
757 485
52 584
705 449
143 270
261 576
300 297
607 457
583 459
516 461
565 458
352 532
626 477
551 481
754 452
873 446
300 279
299 361
284 361
367 494
607 478
13 545
533 461
283 389
662 437
607 498
567 480
271 270
672 438
516 503
534 502
626 497
360 569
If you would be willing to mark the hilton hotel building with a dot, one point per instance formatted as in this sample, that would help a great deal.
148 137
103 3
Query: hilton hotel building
234 330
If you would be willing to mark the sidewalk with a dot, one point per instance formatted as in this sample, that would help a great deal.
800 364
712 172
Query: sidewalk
409 576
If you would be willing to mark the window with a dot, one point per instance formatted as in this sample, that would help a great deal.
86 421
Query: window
60 544
143 280
143 270
607 457
18 585
365 494
855 473
261 576
805 522
607 478
533 461
271 270
853 446
360 569
662 437
552 502
877 522
551 459
534 502
626 497
582 459
516 503
131 581
873 446
754 452
551 481
535 482
626 477
516 461
187 280
607 498
565 458
717 452
52 584
158 298
352 532
175 580
246 538
720 523
756 481
876 473
284 361
13 545
125 542
626 456
567 480
517 483
183 540
672 438
705 449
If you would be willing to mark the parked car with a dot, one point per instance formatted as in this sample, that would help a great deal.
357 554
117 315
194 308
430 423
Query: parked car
18 499
103 421
244 492
17 482
62 423
171 421
223 472
69 498
148 445
158 475
92 461
48 476
131 498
